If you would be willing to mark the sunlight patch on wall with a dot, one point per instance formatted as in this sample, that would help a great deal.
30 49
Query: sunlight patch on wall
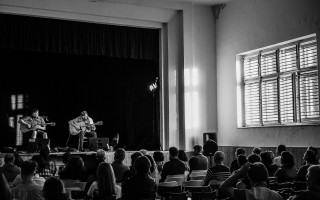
191 83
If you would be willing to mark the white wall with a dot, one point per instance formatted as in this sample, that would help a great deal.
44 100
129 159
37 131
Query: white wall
189 41
245 25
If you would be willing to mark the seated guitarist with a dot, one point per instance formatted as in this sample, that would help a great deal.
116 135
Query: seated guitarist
85 125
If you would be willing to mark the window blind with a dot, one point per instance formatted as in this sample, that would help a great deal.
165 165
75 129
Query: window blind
270 101
252 103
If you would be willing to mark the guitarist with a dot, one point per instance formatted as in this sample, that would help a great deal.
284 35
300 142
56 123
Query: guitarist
88 128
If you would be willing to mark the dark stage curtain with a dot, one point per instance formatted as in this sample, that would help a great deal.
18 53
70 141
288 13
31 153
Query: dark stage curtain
64 67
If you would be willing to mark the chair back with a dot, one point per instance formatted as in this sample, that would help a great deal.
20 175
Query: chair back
199 177
163 190
203 195
194 183
78 194
176 196
198 172
81 185
70 189
180 178
68 183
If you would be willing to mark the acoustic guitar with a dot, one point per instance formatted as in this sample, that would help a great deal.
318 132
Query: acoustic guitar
82 127
34 126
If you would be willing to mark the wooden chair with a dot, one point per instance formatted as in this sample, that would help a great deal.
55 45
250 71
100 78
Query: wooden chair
168 187
197 177
176 196
193 189
194 183
70 189
68 183
81 185
78 194
203 195
199 172
180 178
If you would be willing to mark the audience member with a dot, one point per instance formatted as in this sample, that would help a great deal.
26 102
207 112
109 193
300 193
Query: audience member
257 150
53 189
198 161
266 159
74 169
154 173
17 159
65 158
310 158
313 185
173 166
9 169
105 186
159 159
244 183
46 166
258 176
280 149
5 192
28 189
287 172
141 185
242 159
118 167
219 172
183 157
132 171
315 151
234 164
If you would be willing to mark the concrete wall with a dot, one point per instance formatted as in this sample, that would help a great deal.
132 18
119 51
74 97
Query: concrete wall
245 25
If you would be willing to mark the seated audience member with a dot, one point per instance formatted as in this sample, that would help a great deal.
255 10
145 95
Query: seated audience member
280 149
310 158
198 161
154 173
242 159
28 189
5 192
173 166
258 176
118 167
245 182
287 172
100 157
65 158
46 166
53 189
132 171
313 185
315 151
219 172
141 185
183 157
105 186
159 159
257 150
74 169
234 164
266 159
9 169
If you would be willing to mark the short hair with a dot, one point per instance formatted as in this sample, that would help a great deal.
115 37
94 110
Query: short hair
281 148
256 150
28 167
240 151
314 172
266 158
158 156
241 160
173 151
258 173
197 147
101 154
134 156
52 188
182 155
119 154
287 159
310 157
9 158
218 156
313 149
65 157
142 165
34 110
253 158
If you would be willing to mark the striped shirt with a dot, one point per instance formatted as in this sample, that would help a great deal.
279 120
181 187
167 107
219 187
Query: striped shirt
217 172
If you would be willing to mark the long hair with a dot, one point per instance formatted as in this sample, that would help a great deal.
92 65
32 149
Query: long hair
53 189
106 180
5 192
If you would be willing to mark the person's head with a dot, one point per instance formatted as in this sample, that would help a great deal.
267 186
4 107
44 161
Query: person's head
218 157
258 173
144 151
197 148
35 112
106 180
5 192
65 157
182 155
134 156
75 164
241 160
119 154
28 169
84 115
173 152
9 158
280 149
310 157
158 156
287 159
239 151
152 163
266 158
313 149
257 150
253 158
101 154
53 188
313 177
142 165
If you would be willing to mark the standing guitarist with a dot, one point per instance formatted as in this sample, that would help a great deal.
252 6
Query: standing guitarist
85 125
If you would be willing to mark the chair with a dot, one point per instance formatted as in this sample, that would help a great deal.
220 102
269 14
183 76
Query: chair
176 196
203 195
168 187
180 178
81 185
194 183
78 194
198 177
193 189
70 189
69 183
199 172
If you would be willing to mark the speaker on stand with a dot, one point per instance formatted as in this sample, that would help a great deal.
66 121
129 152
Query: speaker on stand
210 145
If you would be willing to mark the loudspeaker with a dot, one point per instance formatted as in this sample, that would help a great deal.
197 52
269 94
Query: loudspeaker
98 143
212 136
210 144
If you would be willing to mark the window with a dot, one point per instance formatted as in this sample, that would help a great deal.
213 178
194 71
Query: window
278 85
